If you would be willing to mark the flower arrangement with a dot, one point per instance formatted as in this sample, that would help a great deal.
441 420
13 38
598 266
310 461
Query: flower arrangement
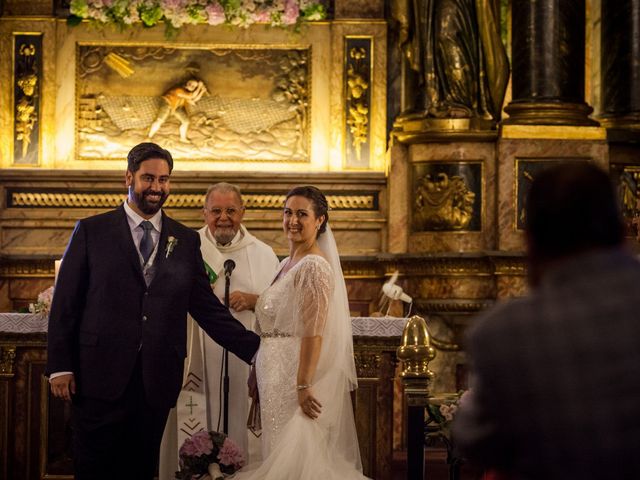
209 453
176 13
43 304
440 415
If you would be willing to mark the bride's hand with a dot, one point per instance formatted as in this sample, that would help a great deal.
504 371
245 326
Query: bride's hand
311 407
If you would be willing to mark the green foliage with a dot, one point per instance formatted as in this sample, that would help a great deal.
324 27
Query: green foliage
150 14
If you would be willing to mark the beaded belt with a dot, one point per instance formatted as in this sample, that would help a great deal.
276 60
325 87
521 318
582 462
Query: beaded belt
275 334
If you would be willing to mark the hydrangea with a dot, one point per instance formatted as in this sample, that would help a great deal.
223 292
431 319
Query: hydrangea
230 454
210 453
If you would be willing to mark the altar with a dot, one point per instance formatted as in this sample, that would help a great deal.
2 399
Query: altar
35 428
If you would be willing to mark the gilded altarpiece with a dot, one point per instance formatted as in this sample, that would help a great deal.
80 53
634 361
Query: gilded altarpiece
258 99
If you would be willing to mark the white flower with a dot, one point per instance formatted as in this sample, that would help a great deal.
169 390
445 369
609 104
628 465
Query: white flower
171 244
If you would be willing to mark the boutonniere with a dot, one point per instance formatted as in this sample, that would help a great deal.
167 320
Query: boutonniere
171 244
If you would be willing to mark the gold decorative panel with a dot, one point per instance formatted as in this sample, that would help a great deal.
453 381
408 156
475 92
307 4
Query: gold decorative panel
447 196
27 78
7 358
626 178
254 201
228 103
358 67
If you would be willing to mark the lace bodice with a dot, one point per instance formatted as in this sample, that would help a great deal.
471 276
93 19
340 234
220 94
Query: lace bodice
297 303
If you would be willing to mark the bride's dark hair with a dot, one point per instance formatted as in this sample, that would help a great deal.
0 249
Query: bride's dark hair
319 201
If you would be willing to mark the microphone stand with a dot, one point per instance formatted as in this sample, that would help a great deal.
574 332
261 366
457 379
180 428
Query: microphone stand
225 387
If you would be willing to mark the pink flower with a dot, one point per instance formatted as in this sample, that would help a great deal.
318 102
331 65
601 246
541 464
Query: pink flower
262 16
171 4
230 454
199 444
203 443
215 14
291 12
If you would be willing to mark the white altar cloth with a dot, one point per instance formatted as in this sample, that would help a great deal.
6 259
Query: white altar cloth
378 326
362 326
23 322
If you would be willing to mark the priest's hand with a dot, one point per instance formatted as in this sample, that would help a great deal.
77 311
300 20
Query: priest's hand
241 301
63 386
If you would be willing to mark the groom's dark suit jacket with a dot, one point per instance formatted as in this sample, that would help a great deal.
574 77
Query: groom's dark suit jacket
103 314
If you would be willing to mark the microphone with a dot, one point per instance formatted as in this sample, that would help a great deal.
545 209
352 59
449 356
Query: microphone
229 265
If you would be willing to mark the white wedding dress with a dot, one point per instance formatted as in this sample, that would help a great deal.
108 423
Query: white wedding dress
309 300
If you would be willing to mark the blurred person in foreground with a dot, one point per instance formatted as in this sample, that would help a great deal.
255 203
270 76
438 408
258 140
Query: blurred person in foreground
554 374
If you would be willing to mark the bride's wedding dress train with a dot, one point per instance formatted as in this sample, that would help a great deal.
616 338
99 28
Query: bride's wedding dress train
296 447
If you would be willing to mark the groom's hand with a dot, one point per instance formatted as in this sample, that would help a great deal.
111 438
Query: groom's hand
63 386
252 383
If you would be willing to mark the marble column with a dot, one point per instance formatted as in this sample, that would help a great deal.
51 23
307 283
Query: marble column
620 67
548 63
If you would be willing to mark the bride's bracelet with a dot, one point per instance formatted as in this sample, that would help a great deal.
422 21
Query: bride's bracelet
304 386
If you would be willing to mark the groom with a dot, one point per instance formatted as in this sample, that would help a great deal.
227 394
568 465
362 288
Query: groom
117 328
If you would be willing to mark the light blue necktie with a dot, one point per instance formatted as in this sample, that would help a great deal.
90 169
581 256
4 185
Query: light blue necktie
146 244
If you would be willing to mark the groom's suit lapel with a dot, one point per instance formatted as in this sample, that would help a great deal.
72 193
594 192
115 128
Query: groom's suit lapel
127 245
161 259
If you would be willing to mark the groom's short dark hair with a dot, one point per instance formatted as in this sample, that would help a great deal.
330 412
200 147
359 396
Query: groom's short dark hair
145 151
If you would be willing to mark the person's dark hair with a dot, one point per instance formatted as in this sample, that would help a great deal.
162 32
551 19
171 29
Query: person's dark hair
145 151
572 208
320 205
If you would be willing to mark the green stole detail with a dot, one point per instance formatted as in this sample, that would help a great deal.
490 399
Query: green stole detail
213 276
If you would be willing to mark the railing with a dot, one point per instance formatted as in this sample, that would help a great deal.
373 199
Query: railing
428 416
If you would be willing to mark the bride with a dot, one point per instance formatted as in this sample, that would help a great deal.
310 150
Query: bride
305 367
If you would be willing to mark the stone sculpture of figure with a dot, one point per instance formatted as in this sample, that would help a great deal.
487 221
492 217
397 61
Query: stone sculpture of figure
176 99
455 48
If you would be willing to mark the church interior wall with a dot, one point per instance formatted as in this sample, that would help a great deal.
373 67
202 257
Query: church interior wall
438 199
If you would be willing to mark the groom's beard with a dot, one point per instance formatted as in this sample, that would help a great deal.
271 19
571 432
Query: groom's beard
144 204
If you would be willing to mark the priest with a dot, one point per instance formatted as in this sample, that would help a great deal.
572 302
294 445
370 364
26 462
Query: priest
223 237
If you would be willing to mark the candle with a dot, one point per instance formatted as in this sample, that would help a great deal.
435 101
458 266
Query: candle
57 264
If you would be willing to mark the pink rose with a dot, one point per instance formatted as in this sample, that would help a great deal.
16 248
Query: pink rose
230 454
